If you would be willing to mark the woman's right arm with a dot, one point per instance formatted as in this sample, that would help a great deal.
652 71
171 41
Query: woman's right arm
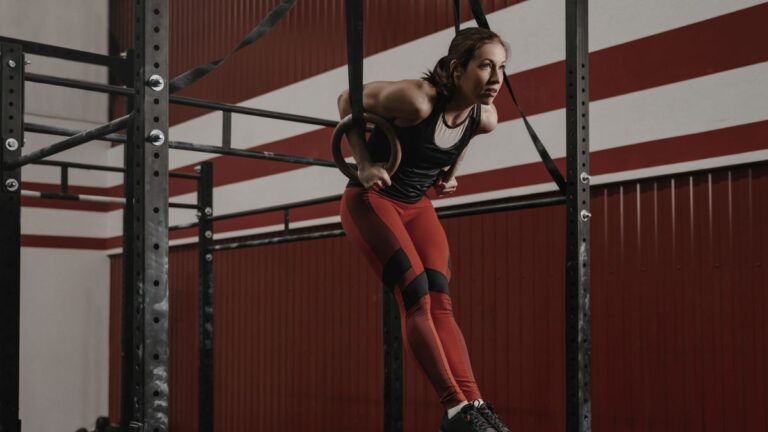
401 102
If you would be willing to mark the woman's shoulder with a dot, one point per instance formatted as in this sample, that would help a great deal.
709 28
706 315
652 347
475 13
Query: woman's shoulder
415 99
489 118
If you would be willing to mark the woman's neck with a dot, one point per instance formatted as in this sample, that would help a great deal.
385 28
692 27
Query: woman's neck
457 109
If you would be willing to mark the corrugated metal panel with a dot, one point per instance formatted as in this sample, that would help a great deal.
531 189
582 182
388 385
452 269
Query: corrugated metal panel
309 41
679 300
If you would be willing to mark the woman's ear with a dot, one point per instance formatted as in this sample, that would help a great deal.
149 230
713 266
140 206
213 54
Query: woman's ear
455 69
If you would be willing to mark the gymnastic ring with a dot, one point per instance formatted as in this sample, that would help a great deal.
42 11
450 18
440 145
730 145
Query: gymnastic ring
346 124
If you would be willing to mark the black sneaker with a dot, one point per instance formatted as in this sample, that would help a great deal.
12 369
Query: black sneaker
486 410
466 420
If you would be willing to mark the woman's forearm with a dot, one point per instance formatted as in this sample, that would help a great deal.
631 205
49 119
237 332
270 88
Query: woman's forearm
354 137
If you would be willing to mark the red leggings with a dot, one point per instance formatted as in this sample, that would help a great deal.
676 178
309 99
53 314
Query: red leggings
406 245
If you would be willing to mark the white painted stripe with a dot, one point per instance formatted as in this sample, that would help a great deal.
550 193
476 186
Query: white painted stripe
707 103
62 222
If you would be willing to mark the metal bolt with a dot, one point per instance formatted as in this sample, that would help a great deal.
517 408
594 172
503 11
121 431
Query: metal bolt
585 215
209 257
156 82
208 234
11 144
585 178
157 137
197 169
11 184
11 63
124 55
208 211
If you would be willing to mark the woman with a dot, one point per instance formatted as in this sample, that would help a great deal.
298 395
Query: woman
393 222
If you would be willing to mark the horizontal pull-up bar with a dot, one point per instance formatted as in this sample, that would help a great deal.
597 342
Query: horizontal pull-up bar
73 197
46 50
78 165
276 240
60 131
92 198
280 207
179 100
542 201
71 142
218 106
180 145
78 84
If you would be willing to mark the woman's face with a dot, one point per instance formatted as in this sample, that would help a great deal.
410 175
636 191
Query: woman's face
481 80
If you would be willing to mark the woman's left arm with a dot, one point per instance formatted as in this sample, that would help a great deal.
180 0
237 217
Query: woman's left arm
447 182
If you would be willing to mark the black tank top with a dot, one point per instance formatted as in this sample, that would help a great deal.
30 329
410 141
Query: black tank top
422 160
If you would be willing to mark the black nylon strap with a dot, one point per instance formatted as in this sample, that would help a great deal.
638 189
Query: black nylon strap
273 17
456 15
557 176
355 23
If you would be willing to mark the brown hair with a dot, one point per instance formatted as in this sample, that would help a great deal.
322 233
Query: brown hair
462 49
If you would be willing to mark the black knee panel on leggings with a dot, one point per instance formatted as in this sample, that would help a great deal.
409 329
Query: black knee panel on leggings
395 268
394 271
415 290
437 281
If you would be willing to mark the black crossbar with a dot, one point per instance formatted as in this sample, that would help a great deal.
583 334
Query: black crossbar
183 205
218 106
46 50
64 164
60 131
71 142
203 148
78 84
542 201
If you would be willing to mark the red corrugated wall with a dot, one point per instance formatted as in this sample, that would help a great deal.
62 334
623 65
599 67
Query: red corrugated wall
679 298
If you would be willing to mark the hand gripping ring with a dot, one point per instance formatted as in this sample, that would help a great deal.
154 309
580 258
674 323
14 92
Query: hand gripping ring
346 124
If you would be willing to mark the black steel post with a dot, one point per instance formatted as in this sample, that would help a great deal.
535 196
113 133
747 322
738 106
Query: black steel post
64 180
11 135
226 129
205 298
577 305
393 364
146 228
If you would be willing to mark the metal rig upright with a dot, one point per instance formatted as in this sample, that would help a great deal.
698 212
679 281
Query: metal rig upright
145 350
12 136
578 409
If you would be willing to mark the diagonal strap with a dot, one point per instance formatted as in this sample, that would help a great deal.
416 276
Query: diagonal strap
557 176
355 23
273 17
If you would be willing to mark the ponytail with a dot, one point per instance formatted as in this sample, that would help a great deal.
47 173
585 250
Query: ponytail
441 77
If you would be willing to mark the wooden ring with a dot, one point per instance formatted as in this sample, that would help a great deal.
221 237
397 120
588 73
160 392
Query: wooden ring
345 125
